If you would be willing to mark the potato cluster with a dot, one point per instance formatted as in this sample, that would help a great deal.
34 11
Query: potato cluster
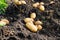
17 2
39 6
32 25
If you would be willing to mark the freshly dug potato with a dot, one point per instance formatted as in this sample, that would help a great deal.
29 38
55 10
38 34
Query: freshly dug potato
2 23
42 8
33 15
39 27
38 22
5 20
17 2
36 4
31 27
41 3
28 20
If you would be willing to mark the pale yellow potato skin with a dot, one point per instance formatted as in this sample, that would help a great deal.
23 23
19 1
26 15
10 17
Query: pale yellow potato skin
36 4
42 8
38 23
5 20
31 27
23 2
28 20
39 27
2 23
17 2
33 15
41 3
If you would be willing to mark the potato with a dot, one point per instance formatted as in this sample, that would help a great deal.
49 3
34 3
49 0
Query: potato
51 2
39 27
33 15
28 20
5 20
41 3
2 23
23 2
31 27
42 8
15 1
38 22
36 4
19 2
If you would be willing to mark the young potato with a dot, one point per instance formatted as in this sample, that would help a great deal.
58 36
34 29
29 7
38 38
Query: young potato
38 23
23 2
15 1
2 23
5 20
33 15
52 2
19 2
36 4
41 3
31 27
41 7
28 20
39 27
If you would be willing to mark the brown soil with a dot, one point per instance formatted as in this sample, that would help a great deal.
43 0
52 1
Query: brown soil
15 14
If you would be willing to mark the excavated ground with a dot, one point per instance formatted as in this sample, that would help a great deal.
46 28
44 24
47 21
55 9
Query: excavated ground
15 14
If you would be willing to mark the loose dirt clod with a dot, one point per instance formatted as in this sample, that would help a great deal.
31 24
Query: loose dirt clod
12 32
33 15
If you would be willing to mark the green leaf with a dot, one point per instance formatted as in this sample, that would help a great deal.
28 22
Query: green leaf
3 6
2 0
